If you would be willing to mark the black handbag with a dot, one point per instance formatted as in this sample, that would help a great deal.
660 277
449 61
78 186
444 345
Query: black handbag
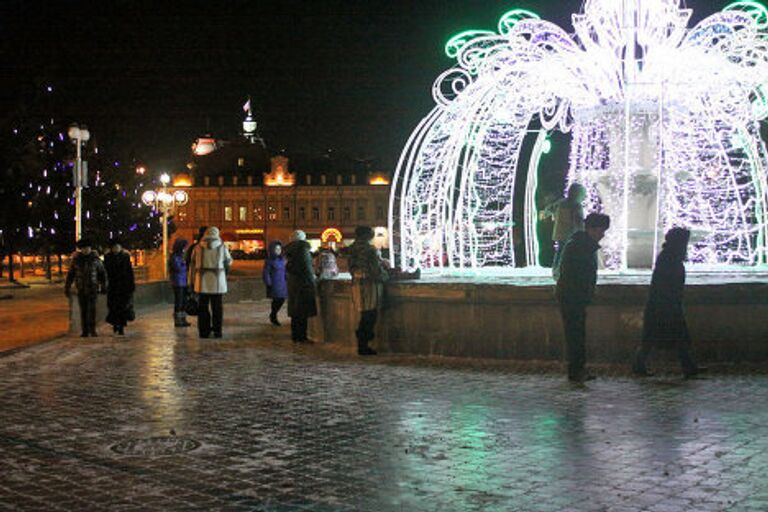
130 312
191 305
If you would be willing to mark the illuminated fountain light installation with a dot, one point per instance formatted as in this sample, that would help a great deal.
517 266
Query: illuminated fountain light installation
664 124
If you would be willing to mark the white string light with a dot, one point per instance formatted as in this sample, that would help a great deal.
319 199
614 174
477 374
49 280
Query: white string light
664 124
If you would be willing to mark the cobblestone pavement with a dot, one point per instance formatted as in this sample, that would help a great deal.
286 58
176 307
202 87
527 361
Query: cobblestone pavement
163 421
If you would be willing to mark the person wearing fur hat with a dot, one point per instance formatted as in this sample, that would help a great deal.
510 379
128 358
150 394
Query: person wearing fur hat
208 269
117 263
86 272
301 286
664 322
369 273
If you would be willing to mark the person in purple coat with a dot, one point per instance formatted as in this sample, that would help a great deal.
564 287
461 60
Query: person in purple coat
177 272
274 278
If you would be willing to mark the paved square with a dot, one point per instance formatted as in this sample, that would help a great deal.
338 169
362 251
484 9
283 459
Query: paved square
161 420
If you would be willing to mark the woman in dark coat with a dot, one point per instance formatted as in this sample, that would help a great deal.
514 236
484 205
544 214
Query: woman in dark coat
177 270
121 286
301 286
274 278
664 322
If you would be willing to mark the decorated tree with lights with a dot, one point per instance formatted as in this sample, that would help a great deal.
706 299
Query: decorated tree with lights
664 124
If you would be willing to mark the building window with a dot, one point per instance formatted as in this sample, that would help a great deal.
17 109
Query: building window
286 213
331 213
309 179
207 181
241 162
347 213
200 213
221 181
258 213
249 180
360 213
302 213
315 213
228 213
243 214
379 213
271 213
339 179
322 179
213 213
234 180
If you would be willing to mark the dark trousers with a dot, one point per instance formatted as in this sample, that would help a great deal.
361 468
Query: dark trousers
682 347
575 325
179 298
299 328
557 256
276 305
205 315
365 329
87 312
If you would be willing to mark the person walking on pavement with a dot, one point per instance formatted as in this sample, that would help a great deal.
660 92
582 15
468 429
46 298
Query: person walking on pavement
368 277
209 266
568 216
576 287
117 263
274 278
177 271
664 322
301 286
87 273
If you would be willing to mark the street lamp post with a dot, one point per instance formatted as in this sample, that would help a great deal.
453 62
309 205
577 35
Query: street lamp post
164 201
79 135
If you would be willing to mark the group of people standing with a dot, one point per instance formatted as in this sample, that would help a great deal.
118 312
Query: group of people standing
290 274
114 276
576 243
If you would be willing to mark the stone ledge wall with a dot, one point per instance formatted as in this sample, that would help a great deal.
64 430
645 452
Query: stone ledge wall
729 322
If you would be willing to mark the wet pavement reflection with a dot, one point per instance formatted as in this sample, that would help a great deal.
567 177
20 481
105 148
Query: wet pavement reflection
160 420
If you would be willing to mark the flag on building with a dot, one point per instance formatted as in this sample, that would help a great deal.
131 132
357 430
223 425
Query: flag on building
247 106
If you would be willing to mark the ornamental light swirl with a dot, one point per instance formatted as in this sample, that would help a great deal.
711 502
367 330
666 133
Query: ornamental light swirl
665 131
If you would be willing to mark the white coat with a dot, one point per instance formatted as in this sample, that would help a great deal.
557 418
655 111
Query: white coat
209 266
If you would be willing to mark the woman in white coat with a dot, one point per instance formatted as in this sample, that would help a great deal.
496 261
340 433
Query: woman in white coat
209 265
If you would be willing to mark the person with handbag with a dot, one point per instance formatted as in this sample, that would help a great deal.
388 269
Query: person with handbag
117 263
177 271
274 279
209 266
369 273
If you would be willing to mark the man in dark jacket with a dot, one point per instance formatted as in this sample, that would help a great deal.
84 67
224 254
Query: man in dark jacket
664 322
301 286
575 288
87 273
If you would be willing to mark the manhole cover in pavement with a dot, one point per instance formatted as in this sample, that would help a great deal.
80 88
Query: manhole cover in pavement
152 446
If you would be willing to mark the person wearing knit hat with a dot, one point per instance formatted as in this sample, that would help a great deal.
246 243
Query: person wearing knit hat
209 266
664 324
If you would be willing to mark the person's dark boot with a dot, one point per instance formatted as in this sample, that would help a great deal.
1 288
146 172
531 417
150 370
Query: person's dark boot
362 345
84 335
273 319
121 330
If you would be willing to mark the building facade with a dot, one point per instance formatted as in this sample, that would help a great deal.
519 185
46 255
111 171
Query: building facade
255 199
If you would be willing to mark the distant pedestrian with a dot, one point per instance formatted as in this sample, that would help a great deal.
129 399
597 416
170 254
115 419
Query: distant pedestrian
369 273
117 262
664 323
576 287
177 272
275 279
568 216
209 265
87 273
327 268
301 286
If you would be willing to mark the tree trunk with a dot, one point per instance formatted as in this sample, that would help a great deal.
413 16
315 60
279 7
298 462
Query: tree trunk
48 274
21 265
61 265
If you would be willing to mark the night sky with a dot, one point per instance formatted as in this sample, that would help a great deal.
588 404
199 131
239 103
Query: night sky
350 76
